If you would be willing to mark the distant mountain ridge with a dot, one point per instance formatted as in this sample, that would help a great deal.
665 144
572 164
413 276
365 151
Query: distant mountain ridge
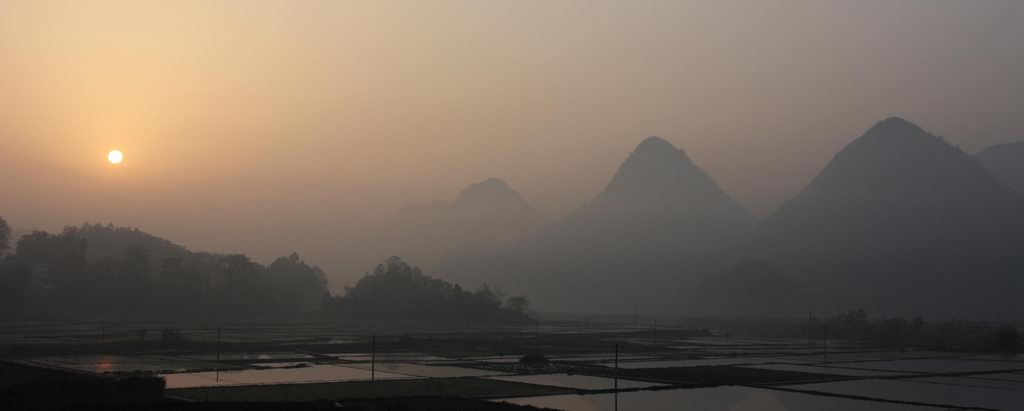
658 222
900 220
1006 162
484 216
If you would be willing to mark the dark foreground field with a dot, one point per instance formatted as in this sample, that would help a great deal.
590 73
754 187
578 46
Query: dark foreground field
307 363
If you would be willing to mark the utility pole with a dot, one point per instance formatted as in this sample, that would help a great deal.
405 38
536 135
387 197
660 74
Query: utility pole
218 353
373 356
826 344
636 321
616 376
810 341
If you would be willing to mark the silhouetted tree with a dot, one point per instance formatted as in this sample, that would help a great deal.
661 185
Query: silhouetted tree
15 279
58 256
520 304
5 236
917 326
136 261
298 283
1008 340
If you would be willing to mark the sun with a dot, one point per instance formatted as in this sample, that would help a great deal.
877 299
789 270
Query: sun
115 156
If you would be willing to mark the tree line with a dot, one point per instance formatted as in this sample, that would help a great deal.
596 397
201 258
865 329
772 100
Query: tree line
62 273
97 268
951 335
397 290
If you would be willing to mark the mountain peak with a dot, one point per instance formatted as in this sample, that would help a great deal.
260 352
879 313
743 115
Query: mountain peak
655 149
655 143
485 215
895 132
661 179
488 188
896 156
894 125
897 141
491 198
655 168
492 183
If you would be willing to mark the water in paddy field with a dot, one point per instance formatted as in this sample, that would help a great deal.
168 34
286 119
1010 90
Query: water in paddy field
718 398
130 364
306 372
701 362
831 370
253 356
853 378
934 365
957 393
432 371
315 373
581 382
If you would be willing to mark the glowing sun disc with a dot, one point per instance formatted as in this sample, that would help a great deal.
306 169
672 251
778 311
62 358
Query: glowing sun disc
115 156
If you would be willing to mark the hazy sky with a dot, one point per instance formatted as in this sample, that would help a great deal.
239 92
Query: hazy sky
266 127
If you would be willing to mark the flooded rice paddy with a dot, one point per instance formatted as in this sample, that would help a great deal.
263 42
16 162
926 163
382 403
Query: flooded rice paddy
953 395
315 373
717 398
571 368
580 382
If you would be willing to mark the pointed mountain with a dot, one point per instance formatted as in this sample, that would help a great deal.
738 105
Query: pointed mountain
489 215
493 204
659 182
900 220
657 226
1006 162
485 216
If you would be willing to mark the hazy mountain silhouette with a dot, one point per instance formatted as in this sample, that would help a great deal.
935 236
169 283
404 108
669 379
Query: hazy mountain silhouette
751 288
484 216
1006 162
659 180
902 221
658 225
